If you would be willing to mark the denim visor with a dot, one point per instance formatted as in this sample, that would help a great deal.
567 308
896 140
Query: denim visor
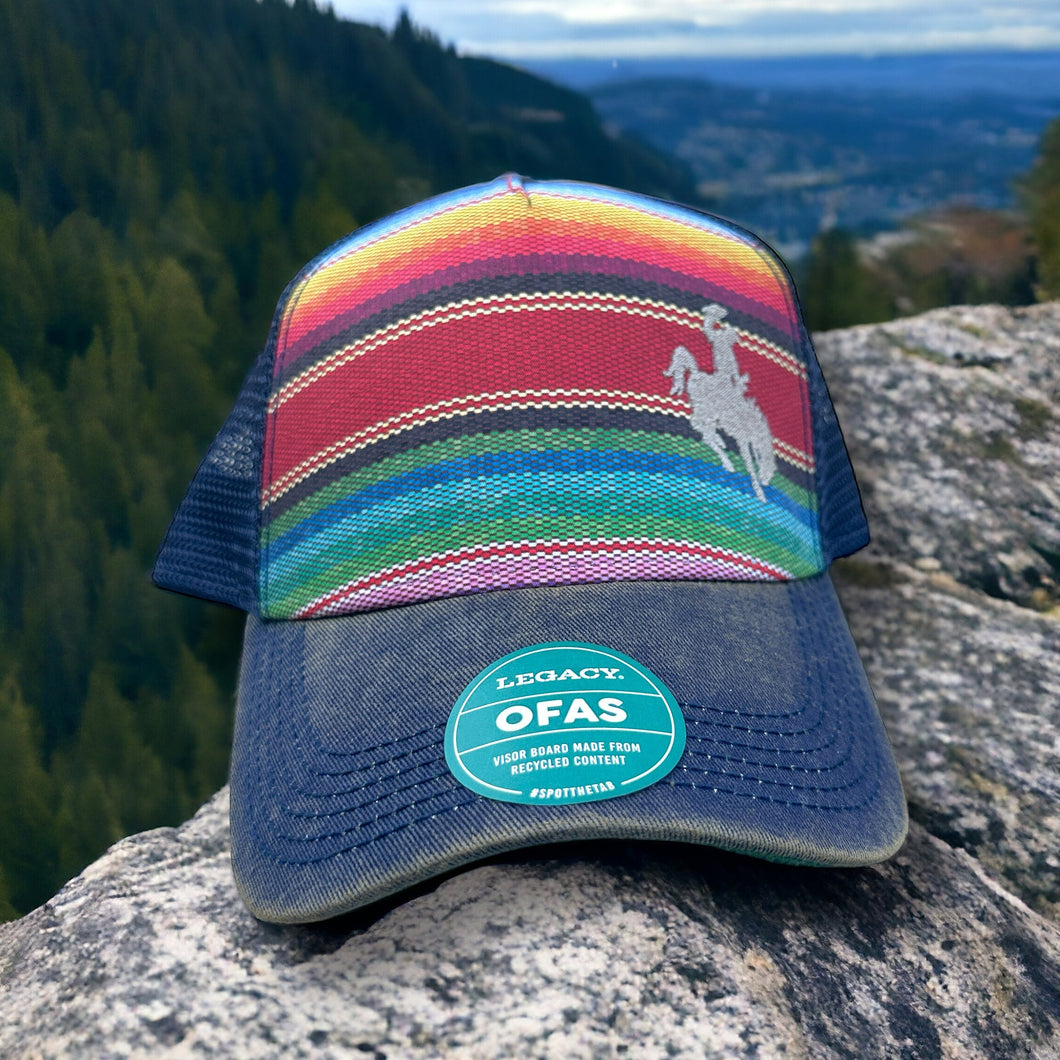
340 790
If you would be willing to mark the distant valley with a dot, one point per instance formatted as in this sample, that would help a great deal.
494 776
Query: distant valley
789 162
789 146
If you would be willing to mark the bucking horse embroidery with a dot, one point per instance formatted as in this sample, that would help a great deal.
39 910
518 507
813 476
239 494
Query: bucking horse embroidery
720 402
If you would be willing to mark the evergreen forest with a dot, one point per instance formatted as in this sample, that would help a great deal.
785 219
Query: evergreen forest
165 169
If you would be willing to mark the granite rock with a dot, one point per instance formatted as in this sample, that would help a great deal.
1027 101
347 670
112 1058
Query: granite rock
616 950
950 949
953 423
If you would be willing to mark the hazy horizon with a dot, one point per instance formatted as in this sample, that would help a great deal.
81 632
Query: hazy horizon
533 31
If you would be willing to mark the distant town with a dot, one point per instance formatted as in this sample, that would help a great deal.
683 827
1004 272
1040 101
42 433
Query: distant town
788 164
792 147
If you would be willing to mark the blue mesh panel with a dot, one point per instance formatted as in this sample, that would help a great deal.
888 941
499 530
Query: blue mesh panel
211 549
844 528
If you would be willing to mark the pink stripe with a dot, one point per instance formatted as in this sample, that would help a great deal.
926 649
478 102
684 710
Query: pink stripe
564 550
513 572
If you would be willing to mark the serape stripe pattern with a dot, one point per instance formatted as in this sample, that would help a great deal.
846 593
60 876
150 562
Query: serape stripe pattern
488 391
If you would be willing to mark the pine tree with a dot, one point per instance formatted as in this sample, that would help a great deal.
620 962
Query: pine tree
836 289
28 855
1041 192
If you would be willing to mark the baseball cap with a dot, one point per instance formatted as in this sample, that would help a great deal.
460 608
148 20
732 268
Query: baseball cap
530 499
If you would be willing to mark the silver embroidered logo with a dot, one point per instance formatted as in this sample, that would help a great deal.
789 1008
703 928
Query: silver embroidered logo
720 402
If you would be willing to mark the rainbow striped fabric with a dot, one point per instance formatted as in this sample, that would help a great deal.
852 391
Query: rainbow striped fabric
480 393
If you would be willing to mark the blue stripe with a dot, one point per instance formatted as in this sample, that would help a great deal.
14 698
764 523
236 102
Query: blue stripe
675 471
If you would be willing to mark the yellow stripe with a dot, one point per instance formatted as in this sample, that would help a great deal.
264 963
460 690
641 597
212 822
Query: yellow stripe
601 218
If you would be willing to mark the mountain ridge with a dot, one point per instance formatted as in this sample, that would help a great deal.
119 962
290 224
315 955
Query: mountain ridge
1026 73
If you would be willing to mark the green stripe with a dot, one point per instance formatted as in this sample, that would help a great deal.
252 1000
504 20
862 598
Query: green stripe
606 512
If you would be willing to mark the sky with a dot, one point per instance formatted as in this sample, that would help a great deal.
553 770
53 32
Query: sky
544 30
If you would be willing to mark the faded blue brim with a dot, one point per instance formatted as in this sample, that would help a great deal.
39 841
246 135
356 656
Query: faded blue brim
340 791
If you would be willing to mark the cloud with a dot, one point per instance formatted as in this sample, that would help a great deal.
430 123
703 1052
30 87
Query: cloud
626 29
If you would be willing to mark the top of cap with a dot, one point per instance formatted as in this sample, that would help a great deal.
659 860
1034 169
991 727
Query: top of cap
521 383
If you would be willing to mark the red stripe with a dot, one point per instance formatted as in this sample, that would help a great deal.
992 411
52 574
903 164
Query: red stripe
524 311
530 350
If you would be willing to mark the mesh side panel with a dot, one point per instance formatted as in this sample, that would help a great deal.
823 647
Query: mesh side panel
212 544
844 528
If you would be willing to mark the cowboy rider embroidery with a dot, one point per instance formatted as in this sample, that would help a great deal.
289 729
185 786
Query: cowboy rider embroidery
720 402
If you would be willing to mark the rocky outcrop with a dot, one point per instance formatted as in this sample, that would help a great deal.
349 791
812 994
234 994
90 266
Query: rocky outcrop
953 423
951 949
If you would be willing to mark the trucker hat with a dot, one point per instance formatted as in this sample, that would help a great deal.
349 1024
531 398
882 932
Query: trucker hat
530 499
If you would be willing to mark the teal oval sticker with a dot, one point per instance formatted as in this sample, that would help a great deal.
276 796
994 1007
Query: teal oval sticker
563 723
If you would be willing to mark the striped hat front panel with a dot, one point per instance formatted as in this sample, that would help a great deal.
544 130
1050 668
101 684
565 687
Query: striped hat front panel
536 384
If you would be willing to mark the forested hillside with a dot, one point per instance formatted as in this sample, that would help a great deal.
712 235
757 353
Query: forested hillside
165 168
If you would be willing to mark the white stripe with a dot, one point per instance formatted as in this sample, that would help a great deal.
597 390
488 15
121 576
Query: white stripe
513 303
